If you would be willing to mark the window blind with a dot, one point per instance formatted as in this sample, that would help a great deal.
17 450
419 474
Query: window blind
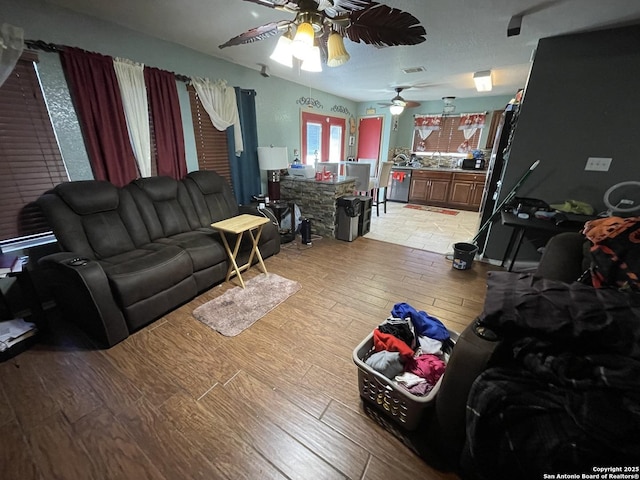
211 143
447 139
30 159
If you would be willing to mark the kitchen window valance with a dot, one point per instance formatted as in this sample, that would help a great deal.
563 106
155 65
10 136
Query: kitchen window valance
425 124
453 133
472 120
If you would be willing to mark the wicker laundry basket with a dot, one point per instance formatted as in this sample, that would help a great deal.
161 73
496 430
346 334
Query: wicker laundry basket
384 399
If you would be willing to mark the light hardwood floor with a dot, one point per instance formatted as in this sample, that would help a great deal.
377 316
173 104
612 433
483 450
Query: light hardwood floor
177 400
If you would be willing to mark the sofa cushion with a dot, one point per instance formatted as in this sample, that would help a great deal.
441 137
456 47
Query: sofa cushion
204 248
107 234
143 272
162 212
211 196
86 217
85 197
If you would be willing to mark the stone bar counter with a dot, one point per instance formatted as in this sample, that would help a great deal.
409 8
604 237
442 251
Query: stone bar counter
317 199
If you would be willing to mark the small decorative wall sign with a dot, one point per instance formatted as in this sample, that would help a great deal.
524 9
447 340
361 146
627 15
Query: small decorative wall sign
309 102
340 109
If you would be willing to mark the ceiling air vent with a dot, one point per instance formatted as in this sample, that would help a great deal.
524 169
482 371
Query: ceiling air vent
413 69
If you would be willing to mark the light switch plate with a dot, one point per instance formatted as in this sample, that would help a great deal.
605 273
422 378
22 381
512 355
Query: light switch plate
598 164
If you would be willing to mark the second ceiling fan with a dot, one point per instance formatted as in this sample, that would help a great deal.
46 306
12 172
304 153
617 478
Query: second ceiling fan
398 104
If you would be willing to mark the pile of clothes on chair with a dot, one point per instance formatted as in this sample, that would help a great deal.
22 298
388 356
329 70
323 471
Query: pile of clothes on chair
562 391
409 348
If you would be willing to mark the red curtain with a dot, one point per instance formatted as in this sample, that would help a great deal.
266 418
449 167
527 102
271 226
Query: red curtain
95 92
167 122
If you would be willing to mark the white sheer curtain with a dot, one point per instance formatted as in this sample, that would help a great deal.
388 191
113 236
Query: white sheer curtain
136 110
219 100
11 47
424 133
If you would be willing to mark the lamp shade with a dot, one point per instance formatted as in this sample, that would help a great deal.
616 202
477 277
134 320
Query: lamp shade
396 109
312 62
483 81
282 52
303 40
273 158
337 54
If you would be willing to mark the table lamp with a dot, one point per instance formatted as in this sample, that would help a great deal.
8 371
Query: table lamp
273 159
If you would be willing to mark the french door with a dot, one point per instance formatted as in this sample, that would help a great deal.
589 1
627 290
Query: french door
322 138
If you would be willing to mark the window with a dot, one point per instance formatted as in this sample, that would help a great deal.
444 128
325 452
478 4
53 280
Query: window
313 144
335 143
30 159
448 138
322 136
211 143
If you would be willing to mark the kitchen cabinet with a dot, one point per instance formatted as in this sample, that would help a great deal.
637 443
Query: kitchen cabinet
466 190
430 187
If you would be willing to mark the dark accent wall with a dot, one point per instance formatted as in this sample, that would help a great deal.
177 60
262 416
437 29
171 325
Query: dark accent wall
582 100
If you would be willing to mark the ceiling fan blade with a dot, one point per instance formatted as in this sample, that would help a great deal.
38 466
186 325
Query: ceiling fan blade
285 5
333 8
258 33
382 25
411 104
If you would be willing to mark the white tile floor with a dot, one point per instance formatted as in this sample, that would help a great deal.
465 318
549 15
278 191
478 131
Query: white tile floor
431 231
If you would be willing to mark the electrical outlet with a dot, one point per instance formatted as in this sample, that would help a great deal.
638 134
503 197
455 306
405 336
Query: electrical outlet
598 164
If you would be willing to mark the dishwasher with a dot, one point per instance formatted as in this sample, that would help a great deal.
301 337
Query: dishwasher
399 184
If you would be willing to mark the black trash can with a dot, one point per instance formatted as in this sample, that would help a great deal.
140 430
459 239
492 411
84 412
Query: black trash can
463 255
349 209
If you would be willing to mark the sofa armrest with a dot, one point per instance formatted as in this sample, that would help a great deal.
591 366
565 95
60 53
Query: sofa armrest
563 258
470 357
82 292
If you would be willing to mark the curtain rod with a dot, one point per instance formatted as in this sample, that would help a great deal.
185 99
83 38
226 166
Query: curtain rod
53 47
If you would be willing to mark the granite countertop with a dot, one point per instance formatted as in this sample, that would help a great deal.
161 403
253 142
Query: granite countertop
339 180
441 169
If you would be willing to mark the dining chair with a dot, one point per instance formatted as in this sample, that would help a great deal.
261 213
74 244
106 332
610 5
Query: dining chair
364 182
381 183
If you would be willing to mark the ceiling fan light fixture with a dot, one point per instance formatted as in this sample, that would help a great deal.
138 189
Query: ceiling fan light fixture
282 52
337 54
303 40
312 62
396 109
483 81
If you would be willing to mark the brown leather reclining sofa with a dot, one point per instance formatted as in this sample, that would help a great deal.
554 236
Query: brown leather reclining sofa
130 255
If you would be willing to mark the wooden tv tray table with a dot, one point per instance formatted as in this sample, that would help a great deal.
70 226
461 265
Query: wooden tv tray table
238 226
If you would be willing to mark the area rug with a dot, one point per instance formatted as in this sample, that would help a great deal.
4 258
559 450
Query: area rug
427 208
239 308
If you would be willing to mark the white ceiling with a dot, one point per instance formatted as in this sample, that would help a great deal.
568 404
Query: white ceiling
463 36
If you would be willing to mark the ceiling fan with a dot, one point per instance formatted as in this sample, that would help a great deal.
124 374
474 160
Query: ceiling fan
316 32
398 104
